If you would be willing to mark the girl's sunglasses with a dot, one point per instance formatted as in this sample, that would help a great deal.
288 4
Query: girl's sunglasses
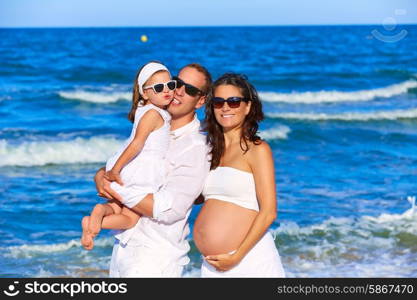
189 89
159 87
233 102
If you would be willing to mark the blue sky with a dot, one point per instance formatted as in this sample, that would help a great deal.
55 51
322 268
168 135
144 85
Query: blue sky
108 13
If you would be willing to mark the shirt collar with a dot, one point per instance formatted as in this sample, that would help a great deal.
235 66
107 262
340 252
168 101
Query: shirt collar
177 133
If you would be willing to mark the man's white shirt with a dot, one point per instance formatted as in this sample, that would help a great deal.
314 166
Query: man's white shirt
188 166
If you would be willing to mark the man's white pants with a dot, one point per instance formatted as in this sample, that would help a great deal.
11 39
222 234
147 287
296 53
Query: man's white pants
141 261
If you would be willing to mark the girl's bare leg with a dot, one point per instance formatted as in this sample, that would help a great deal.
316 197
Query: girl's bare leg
92 225
98 213
86 239
116 206
125 220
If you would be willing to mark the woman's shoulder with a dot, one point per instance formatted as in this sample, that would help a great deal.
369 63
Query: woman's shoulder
258 146
258 150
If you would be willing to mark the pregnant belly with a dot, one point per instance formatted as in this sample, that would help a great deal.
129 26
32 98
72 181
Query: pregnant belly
221 227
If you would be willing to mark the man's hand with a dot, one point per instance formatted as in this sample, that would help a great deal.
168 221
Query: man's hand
113 176
103 185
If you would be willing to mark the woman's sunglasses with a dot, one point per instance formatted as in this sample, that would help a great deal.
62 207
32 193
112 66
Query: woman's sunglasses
189 89
159 87
233 102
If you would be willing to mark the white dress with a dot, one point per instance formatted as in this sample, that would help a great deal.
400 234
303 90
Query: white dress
145 173
238 187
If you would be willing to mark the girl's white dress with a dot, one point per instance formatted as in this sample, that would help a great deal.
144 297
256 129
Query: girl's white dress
145 173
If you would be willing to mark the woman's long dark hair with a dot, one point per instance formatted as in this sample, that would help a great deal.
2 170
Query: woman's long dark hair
215 136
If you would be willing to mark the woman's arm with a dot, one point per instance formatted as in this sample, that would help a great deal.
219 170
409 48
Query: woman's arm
149 122
261 161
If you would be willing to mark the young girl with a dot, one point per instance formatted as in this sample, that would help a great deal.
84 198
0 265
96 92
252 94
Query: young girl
137 169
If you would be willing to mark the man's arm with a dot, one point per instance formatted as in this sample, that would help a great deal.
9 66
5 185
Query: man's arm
104 190
145 206
183 185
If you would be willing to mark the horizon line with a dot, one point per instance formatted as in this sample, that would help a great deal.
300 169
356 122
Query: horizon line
199 26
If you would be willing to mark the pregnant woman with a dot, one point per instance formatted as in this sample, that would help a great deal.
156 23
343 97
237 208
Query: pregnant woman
231 230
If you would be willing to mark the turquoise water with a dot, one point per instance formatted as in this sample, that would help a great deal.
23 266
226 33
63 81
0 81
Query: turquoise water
341 111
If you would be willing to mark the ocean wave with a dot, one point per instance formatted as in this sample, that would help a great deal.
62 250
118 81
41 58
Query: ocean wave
338 96
96 97
367 246
351 247
39 153
280 132
364 227
372 116
30 251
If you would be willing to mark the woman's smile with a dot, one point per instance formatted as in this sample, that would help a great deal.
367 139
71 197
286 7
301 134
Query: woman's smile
227 115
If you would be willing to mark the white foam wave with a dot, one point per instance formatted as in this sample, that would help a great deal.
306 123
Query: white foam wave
192 273
29 251
44 273
280 132
393 223
95 97
381 246
372 116
38 153
350 247
338 96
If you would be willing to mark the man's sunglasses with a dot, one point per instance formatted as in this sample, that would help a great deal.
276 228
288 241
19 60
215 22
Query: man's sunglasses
159 87
189 89
233 102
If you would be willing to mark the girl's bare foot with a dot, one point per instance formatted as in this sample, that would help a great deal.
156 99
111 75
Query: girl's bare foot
87 238
96 218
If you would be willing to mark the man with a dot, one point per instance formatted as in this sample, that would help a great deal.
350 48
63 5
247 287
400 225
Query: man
156 245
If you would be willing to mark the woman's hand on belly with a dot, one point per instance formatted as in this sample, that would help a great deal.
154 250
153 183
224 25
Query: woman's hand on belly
223 262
